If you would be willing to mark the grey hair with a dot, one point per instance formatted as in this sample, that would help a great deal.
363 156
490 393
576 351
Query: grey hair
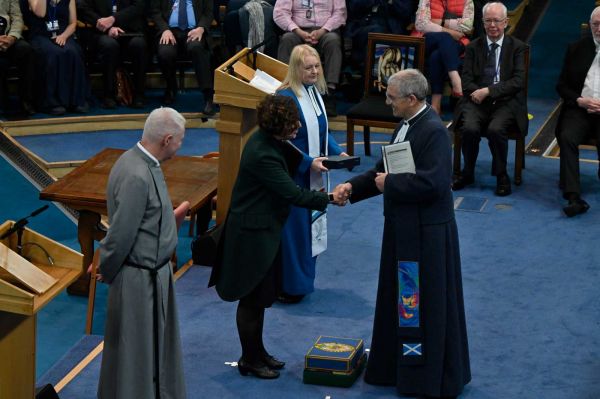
487 5
594 12
163 121
410 81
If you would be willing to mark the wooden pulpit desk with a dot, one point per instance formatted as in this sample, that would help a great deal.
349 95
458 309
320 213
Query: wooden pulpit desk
29 279
237 121
192 179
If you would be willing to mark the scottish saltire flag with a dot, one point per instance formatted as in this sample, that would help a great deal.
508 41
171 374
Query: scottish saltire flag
408 294
412 350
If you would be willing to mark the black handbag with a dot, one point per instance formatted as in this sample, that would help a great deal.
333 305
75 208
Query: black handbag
206 245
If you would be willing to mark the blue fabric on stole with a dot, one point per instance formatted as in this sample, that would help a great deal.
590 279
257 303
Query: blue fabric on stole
410 332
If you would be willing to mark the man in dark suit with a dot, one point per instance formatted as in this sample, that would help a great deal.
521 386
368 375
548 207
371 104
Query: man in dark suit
579 88
494 84
118 31
185 32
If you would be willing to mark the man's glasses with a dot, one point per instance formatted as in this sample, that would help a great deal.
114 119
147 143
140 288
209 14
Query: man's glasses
489 22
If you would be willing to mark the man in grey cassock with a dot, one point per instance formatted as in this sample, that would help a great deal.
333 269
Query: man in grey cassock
142 330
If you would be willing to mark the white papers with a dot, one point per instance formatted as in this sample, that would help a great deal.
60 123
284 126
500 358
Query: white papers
398 158
265 82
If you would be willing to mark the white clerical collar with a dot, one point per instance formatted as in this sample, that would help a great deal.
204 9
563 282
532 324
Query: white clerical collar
418 113
145 151
597 43
498 42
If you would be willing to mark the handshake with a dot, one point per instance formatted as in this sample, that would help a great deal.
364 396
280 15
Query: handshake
341 194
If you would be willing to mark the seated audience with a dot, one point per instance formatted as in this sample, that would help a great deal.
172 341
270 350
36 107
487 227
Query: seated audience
446 26
15 50
241 22
579 88
494 84
185 32
118 34
51 25
317 23
379 16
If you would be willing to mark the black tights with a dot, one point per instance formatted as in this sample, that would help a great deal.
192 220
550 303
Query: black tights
250 322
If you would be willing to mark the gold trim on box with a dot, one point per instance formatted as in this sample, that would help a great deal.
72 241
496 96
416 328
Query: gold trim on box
346 360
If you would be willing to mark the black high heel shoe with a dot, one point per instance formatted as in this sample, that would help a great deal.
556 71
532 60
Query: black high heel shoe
272 363
260 371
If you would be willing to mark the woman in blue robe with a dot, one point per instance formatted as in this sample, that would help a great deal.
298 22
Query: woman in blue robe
64 84
300 245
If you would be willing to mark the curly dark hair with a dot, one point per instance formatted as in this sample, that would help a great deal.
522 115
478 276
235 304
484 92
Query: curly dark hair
277 115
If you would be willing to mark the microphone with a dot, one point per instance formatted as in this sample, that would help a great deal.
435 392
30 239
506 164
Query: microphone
38 211
22 222
255 48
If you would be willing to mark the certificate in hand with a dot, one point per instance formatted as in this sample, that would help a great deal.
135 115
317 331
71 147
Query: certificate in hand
397 158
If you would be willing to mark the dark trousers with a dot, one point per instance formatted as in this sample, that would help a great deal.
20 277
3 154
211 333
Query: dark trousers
486 120
574 126
22 55
112 51
199 53
442 55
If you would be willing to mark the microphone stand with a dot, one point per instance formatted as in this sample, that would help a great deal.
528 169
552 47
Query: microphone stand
19 227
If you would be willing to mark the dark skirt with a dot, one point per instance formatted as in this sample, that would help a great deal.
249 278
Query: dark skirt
63 80
266 292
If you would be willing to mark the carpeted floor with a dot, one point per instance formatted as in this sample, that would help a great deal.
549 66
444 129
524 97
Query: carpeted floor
530 280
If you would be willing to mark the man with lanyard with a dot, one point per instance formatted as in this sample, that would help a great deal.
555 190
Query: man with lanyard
579 88
182 29
119 33
316 23
142 349
493 79
419 339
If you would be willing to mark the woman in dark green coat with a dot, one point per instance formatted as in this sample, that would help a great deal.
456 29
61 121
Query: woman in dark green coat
248 266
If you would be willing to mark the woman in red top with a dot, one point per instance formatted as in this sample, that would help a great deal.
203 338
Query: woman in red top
445 25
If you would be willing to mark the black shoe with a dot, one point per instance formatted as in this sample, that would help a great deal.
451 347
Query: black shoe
28 108
169 97
330 105
109 103
272 363
59 110
503 186
287 298
576 206
209 107
462 181
258 370
82 109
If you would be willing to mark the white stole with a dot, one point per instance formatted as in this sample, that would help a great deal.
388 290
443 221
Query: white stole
309 100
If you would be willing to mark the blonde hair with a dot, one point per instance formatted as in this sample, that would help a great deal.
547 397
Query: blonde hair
293 79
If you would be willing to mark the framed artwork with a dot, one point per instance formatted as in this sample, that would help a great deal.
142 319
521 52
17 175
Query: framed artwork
388 54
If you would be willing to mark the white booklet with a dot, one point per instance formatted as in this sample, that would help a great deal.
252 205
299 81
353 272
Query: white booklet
398 158
265 82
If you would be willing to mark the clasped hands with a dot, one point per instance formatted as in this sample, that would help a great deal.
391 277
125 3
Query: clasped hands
311 38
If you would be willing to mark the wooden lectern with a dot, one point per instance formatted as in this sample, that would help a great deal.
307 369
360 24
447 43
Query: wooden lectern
238 100
27 283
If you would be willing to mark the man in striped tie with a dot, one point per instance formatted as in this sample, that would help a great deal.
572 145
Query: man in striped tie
495 100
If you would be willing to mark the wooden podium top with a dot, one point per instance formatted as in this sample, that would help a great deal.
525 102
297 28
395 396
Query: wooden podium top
188 178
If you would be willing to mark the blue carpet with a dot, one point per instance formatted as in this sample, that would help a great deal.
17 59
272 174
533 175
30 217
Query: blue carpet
70 146
530 282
